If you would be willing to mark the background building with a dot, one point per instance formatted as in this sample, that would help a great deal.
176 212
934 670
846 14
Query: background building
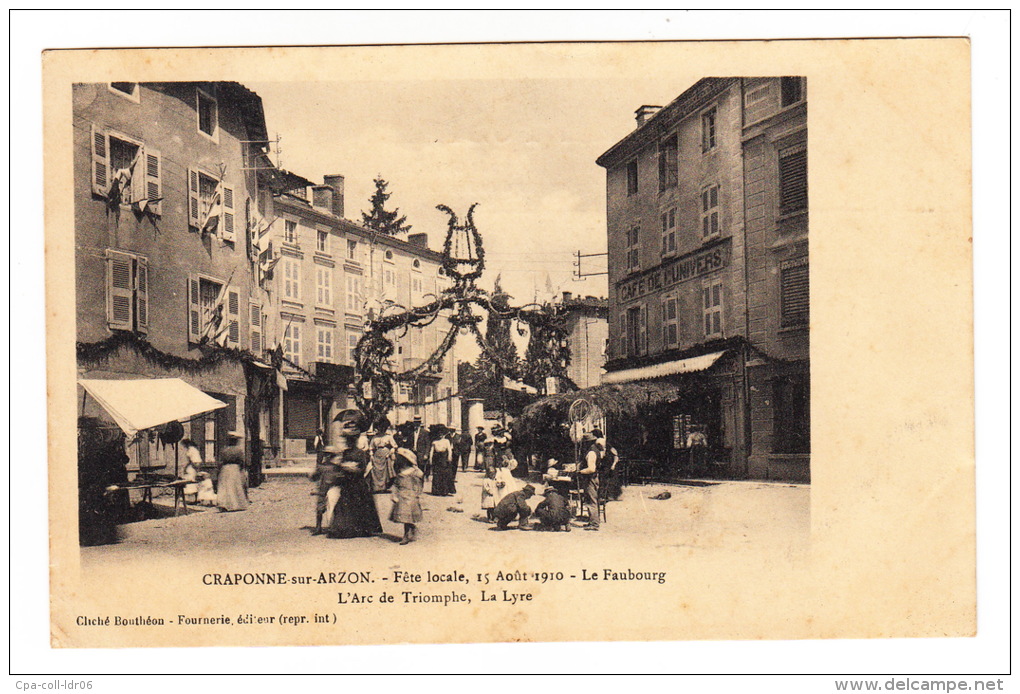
708 290
587 333
329 276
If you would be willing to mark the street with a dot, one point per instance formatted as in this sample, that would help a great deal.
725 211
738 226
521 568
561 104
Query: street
702 516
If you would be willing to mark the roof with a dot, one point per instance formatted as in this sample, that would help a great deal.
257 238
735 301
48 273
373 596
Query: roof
654 128
138 404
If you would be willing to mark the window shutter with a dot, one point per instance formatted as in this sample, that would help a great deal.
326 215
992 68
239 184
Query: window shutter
142 294
119 291
227 221
193 206
793 180
643 331
233 317
100 145
794 297
255 330
153 178
194 310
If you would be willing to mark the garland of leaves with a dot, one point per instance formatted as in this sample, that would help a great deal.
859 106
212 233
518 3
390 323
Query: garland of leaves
374 378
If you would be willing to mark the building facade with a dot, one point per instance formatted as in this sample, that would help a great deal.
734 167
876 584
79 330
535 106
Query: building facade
587 332
708 272
329 277
165 178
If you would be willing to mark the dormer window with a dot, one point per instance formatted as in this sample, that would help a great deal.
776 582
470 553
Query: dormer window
129 90
208 114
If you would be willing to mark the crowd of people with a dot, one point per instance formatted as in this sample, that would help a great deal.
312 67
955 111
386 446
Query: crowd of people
368 459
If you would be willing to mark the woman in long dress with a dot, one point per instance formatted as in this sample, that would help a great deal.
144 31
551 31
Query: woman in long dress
382 449
443 472
231 485
354 514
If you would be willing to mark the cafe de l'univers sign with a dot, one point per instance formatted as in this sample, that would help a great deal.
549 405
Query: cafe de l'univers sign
671 272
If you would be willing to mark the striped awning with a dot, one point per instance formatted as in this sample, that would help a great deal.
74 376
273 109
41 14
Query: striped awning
669 368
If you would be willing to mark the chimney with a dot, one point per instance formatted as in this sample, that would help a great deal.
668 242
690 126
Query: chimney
646 112
567 296
420 240
322 196
336 182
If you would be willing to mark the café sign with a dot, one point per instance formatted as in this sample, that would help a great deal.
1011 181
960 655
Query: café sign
679 270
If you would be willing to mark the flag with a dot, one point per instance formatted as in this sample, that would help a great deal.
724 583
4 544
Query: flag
276 360
209 218
215 320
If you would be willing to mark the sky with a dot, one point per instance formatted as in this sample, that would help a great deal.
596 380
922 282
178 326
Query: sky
524 150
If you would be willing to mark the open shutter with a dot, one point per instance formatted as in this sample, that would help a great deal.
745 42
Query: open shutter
194 310
227 212
100 145
193 206
119 291
643 331
152 176
255 328
233 317
142 294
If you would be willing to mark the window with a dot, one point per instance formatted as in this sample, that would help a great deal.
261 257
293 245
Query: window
126 170
416 264
668 163
352 342
255 328
793 293
352 250
127 291
389 256
636 331
290 232
791 89
711 293
632 179
416 288
322 241
710 212
324 344
633 250
354 301
210 205
793 180
324 286
756 95
670 322
668 220
292 343
791 399
129 90
291 279
208 114
708 140
214 312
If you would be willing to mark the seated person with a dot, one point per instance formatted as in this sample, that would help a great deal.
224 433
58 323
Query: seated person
514 506
553 470
553 512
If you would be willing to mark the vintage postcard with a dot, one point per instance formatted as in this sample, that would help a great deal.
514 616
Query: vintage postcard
510 343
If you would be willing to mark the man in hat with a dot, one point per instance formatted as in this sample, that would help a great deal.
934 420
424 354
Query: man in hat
514 506
480 449
588 477
325 473
422 446
553 512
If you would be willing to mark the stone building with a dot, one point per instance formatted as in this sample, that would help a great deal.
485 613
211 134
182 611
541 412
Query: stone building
708 273
587 332
166 176
329 276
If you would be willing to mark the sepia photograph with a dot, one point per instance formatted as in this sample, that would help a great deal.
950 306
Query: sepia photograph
508 343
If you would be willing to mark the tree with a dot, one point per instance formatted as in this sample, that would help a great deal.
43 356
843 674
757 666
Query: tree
380 219
497 335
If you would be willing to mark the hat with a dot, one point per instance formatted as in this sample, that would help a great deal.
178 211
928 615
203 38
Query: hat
235 434
597 433
407 455
549 490
528 488
351 416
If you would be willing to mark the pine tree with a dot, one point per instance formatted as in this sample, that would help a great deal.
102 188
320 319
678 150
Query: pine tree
380 219
497 335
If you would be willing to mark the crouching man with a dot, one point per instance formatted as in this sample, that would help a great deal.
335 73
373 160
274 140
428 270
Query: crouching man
514 506
554 512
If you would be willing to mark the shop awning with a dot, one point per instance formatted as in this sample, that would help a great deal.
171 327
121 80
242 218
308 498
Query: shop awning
144 403
669 368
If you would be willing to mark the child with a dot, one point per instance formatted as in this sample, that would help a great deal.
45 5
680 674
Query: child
206 494
407 487
489 493
505 481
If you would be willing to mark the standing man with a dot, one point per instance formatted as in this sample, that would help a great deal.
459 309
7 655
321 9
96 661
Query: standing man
589 479
462 449
480 449
422 446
